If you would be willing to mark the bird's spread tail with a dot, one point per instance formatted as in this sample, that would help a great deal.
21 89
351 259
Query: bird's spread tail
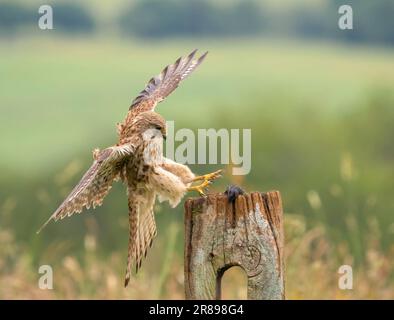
142 233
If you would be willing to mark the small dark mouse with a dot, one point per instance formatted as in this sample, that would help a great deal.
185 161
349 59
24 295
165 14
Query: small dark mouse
232 192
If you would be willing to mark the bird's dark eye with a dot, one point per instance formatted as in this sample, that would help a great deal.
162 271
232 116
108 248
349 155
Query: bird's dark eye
157 127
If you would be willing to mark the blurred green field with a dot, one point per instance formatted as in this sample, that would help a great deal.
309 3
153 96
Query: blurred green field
87 86
322 129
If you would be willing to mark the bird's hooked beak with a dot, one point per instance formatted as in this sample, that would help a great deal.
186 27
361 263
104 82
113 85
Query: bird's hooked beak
164 134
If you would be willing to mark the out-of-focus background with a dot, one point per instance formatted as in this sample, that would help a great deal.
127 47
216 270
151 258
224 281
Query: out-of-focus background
319 101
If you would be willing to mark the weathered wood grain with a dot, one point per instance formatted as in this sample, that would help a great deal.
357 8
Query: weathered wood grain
247 233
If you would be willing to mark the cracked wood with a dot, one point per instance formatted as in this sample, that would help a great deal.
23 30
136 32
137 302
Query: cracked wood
247 233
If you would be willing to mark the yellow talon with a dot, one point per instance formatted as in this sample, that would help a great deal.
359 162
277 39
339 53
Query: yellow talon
207 180
209 176
200 187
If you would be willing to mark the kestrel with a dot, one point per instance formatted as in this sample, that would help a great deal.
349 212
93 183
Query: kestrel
137 159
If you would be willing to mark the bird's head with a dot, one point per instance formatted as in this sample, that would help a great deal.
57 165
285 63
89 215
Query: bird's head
150 125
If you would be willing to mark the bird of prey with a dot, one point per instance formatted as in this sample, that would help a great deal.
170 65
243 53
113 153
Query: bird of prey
137 159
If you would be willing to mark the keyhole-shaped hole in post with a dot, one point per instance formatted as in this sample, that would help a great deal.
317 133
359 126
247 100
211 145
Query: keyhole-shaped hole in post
232 284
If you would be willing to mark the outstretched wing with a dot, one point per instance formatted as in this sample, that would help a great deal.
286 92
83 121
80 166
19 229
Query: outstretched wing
142 227
95 183
163 84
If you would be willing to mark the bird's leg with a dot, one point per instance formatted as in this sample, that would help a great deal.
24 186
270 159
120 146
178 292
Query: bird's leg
208 177
206 181
200 187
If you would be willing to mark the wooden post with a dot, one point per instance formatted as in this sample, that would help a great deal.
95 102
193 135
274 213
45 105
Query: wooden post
247 233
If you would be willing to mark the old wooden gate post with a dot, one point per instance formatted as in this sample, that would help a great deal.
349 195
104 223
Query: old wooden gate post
246 233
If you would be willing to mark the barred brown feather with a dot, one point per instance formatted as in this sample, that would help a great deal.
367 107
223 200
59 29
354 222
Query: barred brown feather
163 84
95 183
142 227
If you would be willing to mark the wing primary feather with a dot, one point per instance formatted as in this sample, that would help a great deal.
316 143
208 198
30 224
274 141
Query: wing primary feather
177 63
159 87
191 56
95 183
44 225
201 59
